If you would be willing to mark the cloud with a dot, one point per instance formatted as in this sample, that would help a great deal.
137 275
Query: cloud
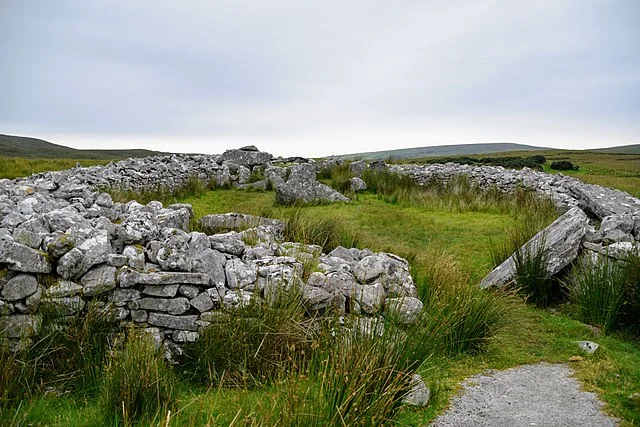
321 77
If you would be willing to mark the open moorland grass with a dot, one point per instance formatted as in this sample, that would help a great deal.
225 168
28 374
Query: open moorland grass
447 249
13 167
450 246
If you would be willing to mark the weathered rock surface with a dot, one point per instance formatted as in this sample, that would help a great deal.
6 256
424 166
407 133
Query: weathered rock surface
302 186
560 242
239 222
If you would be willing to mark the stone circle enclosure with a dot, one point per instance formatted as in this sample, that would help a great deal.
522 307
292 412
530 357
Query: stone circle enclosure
64 244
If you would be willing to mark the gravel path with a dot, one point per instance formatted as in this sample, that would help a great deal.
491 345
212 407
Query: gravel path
530 395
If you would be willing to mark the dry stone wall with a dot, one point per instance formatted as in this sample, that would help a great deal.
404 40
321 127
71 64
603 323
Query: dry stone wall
597 221
65 245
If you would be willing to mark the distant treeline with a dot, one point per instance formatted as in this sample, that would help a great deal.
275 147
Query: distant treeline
511 162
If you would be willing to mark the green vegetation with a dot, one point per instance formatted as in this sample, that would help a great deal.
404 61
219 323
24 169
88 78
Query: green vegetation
137 381
563 165
20 146
512 162
441 151
15 167
605 292
275 365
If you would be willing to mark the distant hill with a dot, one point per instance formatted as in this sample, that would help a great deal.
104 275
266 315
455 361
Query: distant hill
21 146
623 149
442 150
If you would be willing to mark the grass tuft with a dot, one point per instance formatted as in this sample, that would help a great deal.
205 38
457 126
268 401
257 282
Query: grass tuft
326 232
137 380
597 287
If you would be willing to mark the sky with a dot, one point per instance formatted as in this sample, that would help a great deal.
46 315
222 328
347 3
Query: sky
316 78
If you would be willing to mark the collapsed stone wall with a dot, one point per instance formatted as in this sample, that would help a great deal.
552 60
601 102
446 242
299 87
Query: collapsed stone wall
597 221
65 245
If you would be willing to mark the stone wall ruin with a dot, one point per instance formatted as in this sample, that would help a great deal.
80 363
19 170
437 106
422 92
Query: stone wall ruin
64 244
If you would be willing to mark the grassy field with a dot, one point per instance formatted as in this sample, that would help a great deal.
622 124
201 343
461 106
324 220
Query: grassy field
455 248
449 239
14 167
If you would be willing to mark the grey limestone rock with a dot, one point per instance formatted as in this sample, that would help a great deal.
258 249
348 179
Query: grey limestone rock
560 242
238 222
189 291
357 184
20 325
19 287
211 262
245 157
419 394
98 280
588 346
202 302
622 222
22 258
316 299
240 274
174 253
134 257
230 243
357 167
92 251
186 323
302 186
237 299
132 277
370 297
168 291
406 309
121 296
617 235
185 336
139 228
63 288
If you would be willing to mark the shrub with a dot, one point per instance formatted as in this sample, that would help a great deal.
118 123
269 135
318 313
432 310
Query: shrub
597 288
564 165
137 380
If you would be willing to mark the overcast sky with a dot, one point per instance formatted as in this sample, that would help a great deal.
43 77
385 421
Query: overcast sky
299 77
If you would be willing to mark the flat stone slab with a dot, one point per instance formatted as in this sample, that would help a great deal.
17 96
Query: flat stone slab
560 242
529 395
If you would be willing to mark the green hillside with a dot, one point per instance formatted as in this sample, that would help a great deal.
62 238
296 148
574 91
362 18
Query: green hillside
473 149
20 146
624 149
441 150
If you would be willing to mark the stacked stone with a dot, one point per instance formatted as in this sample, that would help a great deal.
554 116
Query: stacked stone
566 192
64 246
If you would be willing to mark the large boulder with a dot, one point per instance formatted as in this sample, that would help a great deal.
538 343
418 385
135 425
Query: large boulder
246 156
560 242
302 186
